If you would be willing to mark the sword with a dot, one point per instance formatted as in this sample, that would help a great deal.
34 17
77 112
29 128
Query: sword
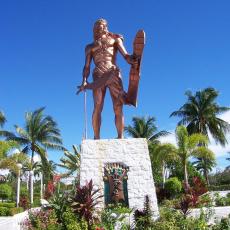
85 115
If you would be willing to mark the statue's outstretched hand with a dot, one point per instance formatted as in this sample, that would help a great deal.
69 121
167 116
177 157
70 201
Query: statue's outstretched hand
81 87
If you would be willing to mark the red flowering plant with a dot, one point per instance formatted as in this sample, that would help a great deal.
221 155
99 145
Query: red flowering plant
191 197
50 189
24 202
84 201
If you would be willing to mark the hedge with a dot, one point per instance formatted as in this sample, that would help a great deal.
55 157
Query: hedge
8 205
219 187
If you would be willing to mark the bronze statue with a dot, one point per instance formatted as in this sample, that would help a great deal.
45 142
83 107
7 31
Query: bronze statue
103 52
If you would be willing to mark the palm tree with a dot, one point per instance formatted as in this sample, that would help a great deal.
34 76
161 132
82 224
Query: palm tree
70 162
162 154
204 164
40 133
189 145
2 118
200 115
145 128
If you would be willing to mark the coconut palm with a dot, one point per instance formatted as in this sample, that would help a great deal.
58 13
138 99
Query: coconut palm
200 115
2 118
40 133
189 145
70 162
205 163
145 128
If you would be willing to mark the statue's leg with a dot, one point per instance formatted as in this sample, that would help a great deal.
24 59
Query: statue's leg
117 92
119 119
98 97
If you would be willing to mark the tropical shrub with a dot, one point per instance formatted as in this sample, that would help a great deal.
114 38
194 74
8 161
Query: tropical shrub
14 211
41 220
84 201
143 218
205 200
24 202
4 211
113 215
58 203
70 222
5 191
223 225
173 186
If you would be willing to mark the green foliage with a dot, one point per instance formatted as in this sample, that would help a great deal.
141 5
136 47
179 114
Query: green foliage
14 211
8 205
201 114
222 201
4 211
171 219
70 162
223 225
59 204
173 186
144 128
143 218
112 214
205 201
70 222
5 191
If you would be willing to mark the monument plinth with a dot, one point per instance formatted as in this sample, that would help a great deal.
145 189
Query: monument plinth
127 160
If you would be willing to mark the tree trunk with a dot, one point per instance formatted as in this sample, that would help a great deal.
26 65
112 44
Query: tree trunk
163 174
186 176
206 177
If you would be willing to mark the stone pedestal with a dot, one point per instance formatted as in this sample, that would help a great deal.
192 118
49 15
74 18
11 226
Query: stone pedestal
133 153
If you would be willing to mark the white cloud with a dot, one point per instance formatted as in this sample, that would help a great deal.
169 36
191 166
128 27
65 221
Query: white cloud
216 148
37 158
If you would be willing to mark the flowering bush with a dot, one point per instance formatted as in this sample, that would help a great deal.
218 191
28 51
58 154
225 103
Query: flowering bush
41 220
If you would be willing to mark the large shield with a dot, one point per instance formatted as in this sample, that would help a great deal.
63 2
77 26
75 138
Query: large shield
134 74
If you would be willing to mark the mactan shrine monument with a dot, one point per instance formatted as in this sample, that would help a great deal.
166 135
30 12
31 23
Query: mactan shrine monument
120 168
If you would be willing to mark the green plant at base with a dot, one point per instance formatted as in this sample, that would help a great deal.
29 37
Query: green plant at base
143 218
70 222
59 203
114 213
173 186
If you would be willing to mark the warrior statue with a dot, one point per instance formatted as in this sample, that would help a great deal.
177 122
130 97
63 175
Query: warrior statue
103 52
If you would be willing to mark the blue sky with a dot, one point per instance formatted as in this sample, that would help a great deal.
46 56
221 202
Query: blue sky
42 55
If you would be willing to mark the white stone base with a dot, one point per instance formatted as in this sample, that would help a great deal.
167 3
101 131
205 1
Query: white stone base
133 153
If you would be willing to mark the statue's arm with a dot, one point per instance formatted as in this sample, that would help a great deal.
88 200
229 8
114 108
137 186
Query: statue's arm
86 69
129 58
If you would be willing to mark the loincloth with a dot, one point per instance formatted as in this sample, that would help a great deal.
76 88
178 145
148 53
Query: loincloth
110 78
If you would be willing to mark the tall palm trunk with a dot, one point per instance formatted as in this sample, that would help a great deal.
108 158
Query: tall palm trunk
31 177
206 176
185 175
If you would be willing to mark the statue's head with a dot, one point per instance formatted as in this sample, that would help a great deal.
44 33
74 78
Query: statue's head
100 28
